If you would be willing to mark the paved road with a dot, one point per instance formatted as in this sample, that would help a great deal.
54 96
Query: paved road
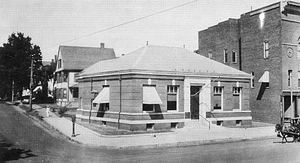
21 140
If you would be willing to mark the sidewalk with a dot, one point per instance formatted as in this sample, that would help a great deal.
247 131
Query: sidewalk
187 136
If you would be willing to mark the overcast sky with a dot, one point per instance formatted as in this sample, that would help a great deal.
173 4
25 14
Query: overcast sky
56 22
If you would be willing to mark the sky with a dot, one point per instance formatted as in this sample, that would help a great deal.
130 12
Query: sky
124 25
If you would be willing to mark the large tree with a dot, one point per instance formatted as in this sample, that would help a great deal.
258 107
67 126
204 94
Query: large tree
15 61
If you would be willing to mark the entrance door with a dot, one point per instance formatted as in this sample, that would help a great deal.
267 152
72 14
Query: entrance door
194 101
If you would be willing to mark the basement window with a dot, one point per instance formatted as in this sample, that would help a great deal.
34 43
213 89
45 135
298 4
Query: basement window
149 126
174 125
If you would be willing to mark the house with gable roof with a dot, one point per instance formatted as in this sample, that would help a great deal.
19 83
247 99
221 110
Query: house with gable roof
71 60
159 87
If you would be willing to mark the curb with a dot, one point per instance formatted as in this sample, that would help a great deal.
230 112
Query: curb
190 143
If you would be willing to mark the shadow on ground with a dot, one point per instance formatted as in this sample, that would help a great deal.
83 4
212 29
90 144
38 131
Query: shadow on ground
8 152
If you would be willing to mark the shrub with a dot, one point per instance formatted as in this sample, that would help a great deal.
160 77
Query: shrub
62 110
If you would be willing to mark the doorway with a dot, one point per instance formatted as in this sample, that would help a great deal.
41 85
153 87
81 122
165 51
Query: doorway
194 101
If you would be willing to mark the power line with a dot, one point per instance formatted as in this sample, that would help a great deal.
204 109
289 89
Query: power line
125 23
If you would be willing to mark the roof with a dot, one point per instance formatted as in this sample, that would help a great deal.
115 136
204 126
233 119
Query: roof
79 58
162 59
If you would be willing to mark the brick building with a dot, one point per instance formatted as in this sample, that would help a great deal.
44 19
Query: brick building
157 87
266 44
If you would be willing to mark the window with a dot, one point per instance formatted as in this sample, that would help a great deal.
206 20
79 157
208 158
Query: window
225 56
234 57
151 98
65 77
218 90
252 79
237 98
289 77
75 92
266 49
210 55
149 107
298 78
57 77
172 97
102 98
64 93
298 51
104 107
236 91
57 91
59 63
218 98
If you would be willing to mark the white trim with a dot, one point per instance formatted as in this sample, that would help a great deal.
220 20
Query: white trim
131 121
230 118
233 111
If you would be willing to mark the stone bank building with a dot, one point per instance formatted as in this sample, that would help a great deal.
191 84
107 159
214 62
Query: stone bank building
266 44
158 87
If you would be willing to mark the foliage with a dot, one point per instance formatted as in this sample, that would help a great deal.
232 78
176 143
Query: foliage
15 62
62 110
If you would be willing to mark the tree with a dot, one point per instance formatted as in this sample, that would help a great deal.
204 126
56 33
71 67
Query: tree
15 61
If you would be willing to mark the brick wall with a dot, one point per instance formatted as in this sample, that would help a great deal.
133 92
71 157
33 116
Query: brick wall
217 38
131 95
228 94
265 102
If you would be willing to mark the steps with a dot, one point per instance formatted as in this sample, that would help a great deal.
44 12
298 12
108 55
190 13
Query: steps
196 125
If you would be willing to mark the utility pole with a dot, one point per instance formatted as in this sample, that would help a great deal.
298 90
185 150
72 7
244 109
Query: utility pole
12 91
31 85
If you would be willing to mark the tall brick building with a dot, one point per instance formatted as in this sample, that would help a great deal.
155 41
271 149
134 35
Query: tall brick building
265 43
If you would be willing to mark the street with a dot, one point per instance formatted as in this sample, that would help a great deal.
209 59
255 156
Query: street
23 140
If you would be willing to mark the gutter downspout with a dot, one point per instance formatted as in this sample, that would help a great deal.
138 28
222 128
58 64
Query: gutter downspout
120 82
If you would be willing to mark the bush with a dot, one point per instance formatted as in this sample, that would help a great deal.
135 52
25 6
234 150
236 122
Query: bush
62 110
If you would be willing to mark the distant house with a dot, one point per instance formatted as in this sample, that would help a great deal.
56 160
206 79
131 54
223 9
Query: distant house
71 60
158 87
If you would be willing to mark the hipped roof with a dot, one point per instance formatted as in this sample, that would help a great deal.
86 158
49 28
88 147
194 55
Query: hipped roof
79 58
163 60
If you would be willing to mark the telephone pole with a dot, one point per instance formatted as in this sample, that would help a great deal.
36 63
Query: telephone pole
30 86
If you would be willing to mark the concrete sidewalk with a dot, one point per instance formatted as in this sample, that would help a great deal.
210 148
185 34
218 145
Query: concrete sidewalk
187 136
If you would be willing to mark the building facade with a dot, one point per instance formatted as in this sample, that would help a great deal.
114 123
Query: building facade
266 44
71 60
157 87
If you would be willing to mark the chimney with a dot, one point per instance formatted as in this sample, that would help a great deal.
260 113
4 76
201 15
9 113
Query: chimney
102 45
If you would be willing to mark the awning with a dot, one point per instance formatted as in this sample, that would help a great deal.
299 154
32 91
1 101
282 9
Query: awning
103 96
264 78
74 85
150 96
38 88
